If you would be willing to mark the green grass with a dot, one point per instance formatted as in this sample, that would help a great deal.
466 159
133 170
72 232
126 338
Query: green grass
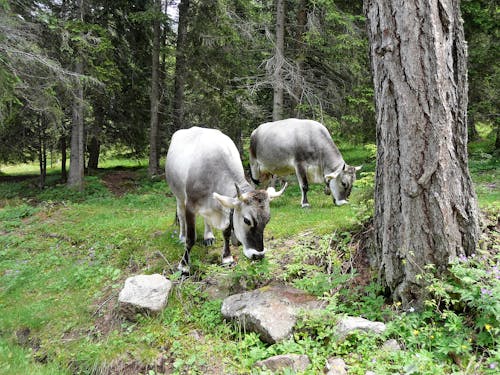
64 255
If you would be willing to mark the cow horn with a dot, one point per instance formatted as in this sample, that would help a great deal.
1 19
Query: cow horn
241 197
272 193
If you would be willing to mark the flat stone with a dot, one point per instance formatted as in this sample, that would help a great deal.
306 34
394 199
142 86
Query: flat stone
270 311
295 362
144 294
349 324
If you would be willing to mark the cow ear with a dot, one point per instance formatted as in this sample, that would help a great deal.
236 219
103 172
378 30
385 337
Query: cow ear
227 202
358 167
333 175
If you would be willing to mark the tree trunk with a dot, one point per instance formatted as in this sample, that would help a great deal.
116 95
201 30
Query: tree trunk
425 205
180 68
299 57
94 151
64 174
77 154
154 167
42 151
77 162
497 140
279 54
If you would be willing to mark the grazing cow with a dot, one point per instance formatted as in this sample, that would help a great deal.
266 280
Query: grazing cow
204 171
305 147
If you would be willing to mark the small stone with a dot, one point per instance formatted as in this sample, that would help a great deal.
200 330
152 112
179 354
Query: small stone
295 362
391 346
349 324
336 366
144 293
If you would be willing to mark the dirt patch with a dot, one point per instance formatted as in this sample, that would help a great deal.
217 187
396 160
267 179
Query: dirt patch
121 182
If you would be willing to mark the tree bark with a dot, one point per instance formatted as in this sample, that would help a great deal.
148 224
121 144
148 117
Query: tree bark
77 162
299 57
180 68
64 173
154 167
425 205
42 150
77 155
279 54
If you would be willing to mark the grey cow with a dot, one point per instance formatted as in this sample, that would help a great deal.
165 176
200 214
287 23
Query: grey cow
205 173
303 147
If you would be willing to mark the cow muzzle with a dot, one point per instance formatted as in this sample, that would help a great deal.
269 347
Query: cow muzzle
253 254
341 202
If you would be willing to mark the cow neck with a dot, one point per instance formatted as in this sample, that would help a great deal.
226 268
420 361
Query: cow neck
332 160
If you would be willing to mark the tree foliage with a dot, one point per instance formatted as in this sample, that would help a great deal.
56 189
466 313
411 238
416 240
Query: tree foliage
227 67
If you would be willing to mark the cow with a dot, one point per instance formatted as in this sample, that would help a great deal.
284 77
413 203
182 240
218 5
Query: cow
305 147
205 173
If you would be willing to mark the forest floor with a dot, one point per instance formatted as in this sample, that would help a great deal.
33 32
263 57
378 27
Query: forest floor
64 257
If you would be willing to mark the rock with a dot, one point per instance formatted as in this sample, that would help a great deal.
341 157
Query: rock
348 324
144 294
295 362
336 366
391 346
270 311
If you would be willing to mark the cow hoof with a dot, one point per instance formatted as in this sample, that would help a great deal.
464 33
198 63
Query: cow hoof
228 261
306 205
208 241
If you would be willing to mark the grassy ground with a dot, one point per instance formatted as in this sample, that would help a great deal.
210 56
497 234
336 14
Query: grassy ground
65 255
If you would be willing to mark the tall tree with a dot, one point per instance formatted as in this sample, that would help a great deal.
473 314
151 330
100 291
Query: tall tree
153 167
279 57
425 205
180 67
77 155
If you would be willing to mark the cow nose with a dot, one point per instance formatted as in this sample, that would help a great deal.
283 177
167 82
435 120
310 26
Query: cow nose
253 254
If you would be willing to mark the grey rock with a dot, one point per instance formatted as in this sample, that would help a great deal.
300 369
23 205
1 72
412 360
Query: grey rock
391 346
349 324
144 294
336 366
295 362
270 311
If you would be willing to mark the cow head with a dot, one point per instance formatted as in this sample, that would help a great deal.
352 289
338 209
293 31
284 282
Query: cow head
340 183
250 217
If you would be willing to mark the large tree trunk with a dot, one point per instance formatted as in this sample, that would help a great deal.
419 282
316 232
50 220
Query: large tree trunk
279 55
180 68
425 205
153 167
76 161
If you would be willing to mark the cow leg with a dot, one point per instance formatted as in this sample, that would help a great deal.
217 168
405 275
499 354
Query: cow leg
190 218
301 173
181 215
208 236
227 258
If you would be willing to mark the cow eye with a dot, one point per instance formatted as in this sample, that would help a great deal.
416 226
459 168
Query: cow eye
246 221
